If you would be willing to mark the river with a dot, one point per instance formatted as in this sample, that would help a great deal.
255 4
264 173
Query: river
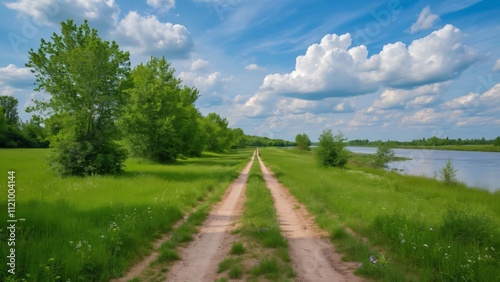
475 169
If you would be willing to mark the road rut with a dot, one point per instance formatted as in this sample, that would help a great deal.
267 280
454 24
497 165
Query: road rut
200 258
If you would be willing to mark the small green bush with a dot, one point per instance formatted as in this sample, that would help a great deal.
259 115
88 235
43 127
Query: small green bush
331 149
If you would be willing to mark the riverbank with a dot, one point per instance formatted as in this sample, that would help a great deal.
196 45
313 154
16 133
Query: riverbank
398 227
471 148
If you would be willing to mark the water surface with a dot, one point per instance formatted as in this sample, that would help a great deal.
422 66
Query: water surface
476 169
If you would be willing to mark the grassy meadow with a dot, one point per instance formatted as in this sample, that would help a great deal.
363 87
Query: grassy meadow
262 251
94 228
399 228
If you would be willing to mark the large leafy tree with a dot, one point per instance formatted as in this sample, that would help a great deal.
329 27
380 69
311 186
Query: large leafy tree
85 76
161 121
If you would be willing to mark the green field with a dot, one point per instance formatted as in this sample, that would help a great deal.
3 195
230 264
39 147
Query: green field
94 228
417 228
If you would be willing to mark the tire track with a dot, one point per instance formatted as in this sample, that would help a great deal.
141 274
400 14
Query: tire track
213 242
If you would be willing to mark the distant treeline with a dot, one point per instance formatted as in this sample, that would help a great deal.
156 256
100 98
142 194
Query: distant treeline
433 141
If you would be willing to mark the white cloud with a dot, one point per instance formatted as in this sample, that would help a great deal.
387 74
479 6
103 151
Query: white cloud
102 14
146 35
162 5
199 64
201 82
496 67
425 20
414 74
405 98
252 67
12 77
489 99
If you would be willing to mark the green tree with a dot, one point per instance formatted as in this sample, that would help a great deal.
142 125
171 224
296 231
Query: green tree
496 142
9 105
35 133
303 142
86 78
218 135
448 173
383 156
160 119
3 128
331 149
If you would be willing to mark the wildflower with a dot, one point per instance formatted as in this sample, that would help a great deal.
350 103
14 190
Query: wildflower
403 241
373 260
425 245
430 229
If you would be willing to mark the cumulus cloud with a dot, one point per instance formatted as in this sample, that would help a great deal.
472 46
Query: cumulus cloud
413 76
141 35
210 85
252 67
199 64
425 20
14 77
489 99
407 98
162 5
496 67
102 14
333 69
146 35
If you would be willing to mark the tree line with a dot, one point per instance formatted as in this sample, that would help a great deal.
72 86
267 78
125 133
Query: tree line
101 110
433 141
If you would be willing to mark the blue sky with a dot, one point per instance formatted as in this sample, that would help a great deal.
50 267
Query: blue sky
397 69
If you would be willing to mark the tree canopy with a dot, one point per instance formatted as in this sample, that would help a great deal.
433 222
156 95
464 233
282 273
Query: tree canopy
86 78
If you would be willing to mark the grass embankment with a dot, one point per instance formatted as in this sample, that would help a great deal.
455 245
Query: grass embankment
94 228
427 230
262 250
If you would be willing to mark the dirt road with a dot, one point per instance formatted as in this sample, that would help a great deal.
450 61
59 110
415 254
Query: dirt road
200 258
313 257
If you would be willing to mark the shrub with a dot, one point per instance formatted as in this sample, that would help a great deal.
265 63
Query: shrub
448 173
331 149
383 156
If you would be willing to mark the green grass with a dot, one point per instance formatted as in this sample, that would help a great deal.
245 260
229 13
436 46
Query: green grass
427 231
261 237
237 248
94 228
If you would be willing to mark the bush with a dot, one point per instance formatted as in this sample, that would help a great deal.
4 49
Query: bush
448 173
383 156
331 149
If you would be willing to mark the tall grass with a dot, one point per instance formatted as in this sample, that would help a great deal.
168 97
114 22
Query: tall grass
94 228
428 229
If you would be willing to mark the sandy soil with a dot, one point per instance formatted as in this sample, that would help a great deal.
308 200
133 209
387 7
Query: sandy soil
313 257
200 258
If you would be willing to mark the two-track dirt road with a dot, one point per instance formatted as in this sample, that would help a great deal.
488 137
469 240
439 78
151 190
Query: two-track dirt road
313 256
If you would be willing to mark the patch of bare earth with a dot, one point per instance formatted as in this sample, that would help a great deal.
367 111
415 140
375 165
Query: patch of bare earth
200 258
313 256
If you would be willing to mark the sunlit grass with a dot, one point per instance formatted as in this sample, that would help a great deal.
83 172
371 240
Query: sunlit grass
412 218
93 228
